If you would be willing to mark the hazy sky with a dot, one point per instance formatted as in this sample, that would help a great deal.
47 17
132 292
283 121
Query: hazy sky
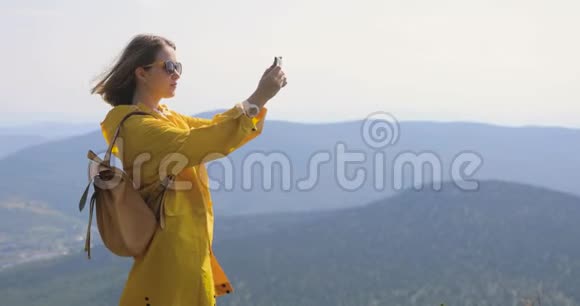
504 62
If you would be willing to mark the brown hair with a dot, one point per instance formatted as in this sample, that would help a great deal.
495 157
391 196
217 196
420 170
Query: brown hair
117 85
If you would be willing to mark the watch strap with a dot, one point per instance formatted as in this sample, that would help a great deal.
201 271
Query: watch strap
250 110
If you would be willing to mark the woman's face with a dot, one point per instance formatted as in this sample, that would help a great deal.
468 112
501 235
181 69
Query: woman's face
157 80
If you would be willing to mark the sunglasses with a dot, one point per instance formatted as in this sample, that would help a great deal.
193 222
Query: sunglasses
169 66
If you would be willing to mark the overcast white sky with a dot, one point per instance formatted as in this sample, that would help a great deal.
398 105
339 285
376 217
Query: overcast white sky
508 62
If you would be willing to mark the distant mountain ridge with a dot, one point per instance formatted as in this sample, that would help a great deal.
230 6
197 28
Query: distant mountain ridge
494 246
55 172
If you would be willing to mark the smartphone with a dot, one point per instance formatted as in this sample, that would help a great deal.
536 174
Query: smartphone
278 61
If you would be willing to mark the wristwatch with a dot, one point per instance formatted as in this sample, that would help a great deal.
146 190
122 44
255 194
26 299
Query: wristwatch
251 110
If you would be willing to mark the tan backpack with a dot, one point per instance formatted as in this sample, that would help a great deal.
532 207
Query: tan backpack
125 220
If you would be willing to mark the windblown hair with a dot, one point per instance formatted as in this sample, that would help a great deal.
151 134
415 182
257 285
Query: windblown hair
117 85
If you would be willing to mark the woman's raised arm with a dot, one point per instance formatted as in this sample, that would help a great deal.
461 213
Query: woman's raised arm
229 131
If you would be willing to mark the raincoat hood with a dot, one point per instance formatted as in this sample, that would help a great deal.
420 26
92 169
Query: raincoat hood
116 114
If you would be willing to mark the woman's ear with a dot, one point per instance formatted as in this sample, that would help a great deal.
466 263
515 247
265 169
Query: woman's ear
140 74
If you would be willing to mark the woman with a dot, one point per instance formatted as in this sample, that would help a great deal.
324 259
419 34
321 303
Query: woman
179 267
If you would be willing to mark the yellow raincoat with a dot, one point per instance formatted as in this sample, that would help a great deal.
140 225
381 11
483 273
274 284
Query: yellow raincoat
179 268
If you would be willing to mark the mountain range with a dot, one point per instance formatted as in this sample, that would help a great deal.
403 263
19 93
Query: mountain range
56 172
499 245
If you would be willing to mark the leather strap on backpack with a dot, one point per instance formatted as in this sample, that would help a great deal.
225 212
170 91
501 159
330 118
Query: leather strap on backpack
107 159
158 195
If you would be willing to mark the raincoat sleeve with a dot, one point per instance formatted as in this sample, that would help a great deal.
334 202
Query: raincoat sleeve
193 122
202 143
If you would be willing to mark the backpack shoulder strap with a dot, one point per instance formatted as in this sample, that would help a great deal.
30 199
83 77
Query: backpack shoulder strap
107 159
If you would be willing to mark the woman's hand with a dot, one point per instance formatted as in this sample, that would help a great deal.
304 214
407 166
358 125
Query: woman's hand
273 79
